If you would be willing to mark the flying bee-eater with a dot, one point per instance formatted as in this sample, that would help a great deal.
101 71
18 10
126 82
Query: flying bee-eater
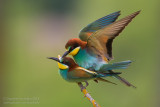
72 72
94 48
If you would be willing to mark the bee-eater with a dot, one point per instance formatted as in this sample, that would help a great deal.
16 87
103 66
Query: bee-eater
72 72
94 48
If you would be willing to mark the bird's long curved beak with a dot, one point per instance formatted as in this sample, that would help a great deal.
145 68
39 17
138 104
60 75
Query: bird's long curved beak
53 58
65 54
60 64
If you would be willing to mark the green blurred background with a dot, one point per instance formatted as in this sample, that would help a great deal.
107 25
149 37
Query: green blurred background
32 30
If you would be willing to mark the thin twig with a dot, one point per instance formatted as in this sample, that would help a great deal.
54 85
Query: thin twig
86 94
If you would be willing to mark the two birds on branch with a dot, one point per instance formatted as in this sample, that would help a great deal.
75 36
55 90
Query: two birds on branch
93 51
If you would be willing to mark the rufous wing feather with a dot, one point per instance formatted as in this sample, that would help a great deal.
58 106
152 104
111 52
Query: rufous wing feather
102 39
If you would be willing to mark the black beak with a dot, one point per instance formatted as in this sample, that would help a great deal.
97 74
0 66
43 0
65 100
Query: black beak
53 58
65 54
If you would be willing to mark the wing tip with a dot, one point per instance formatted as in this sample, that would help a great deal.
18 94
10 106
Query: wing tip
134 14
137 12
119 12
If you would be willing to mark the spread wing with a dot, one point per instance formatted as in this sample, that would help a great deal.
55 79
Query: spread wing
98 24
101 40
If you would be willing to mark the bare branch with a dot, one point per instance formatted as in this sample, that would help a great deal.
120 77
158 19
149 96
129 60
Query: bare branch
86 94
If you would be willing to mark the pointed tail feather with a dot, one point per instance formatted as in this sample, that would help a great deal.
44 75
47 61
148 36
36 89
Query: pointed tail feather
122 80
104 80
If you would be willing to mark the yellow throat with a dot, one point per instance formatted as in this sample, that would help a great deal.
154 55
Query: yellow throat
75 51
60 65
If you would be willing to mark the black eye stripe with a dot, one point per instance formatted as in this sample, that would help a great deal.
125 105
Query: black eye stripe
73 46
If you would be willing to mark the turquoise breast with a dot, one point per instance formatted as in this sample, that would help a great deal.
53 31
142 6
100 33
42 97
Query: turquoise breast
63 73
88 61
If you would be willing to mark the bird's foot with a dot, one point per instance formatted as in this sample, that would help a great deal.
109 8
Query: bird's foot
81 86
96 81
86 84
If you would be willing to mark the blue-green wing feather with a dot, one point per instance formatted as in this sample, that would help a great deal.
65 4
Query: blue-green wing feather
117 65
98 24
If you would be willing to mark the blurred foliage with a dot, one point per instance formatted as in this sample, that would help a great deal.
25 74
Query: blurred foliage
56 6
34 31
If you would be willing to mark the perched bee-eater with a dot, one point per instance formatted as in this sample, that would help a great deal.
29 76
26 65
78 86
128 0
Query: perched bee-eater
71 72
94 48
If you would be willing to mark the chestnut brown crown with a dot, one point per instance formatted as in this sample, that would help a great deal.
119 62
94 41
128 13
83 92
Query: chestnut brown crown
69 62
75 42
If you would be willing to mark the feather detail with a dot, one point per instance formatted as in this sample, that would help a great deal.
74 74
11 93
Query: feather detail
104 80
122 80
118 65
102 39
98 24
